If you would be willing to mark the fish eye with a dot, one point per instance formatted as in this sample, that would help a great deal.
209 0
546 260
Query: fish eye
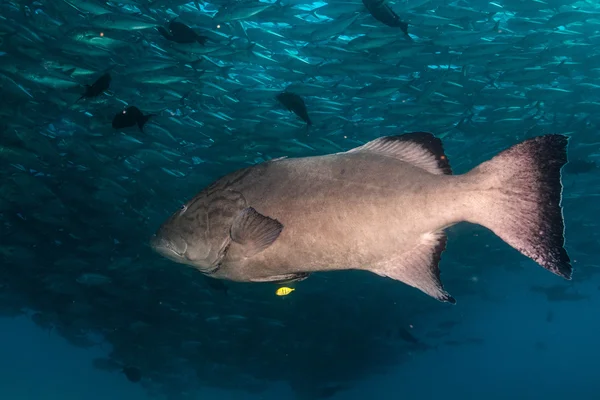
183 208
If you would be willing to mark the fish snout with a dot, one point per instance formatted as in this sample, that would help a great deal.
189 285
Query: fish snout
168 244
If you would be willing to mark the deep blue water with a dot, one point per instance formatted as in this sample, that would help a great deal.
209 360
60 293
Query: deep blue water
523 357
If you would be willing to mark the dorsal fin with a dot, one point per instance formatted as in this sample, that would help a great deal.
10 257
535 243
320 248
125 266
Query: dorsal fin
420 149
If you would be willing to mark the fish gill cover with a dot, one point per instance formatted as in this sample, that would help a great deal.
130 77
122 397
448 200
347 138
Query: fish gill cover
115 113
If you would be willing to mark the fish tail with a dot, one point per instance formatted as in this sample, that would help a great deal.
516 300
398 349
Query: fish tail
201 39
163 32
496 27
522 200
142 121
404 27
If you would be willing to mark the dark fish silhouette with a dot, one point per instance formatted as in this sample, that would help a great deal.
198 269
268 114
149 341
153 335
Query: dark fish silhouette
132 373
405 335
559 293
381 207
181 33
383 13
130 116
448 324
216 284
98 87
295 104
464 342
329 391
580 166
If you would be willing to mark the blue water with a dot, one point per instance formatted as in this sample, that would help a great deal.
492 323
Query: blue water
523 357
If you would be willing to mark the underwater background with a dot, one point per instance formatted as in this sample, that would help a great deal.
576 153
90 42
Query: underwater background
88 311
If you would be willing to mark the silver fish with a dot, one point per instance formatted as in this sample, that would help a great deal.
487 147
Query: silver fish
381 207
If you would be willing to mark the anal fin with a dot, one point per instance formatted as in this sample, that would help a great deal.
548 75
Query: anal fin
419 267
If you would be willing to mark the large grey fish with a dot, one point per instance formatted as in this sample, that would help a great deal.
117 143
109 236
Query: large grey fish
381 207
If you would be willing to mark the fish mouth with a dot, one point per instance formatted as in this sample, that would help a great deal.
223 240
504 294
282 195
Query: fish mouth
168 248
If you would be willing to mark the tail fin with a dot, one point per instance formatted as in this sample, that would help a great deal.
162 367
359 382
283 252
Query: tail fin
202 39
164 32
86 94
404 27
142 121
522 204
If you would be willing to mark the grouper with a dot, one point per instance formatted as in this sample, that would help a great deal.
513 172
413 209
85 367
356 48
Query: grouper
381 207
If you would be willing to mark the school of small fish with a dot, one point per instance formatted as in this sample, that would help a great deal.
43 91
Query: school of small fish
114 113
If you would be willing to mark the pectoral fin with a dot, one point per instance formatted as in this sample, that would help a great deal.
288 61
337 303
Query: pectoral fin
253 232
286 278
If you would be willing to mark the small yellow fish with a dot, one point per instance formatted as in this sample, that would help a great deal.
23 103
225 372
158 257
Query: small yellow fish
284 291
